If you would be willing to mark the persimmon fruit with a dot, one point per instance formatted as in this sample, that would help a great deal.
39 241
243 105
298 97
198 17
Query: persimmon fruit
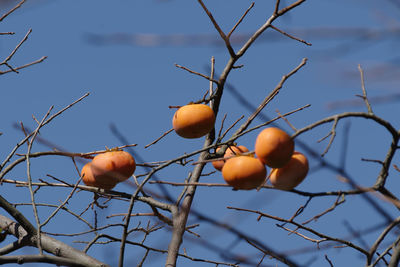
87 175
193 120
244 172
113 166
230 151
292 174
274 147
89 179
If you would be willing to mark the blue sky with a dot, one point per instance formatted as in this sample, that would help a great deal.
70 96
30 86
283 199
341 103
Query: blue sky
131 87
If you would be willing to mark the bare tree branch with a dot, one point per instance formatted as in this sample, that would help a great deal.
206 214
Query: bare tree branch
49 244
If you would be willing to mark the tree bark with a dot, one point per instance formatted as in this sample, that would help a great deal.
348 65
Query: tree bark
181 215
49 244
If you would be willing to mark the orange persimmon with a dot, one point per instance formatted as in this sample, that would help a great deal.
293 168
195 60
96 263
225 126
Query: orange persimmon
244 172
115 166
292 174
88 178
230 151
193 120
274 147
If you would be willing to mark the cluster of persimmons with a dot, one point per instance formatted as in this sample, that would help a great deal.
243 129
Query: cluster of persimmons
240 168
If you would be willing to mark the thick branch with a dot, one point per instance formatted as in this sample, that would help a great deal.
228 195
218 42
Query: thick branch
49 244
22 259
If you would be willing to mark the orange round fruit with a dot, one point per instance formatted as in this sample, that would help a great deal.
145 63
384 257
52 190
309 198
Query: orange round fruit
88 178
193 120
292 174
230 151
87 175
114 166
244 172
274 147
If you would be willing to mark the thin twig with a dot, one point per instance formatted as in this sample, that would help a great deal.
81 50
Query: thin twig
267 24
197 73
183 192
286 120
230 127
62 204
300 209
159 138
302 235
240 20
211 91
364 115
364 96
19 45
117 240
269 97
28 168
24 66
340 200
218 28
332 134
276 7
219 138
290 36
345 242
278 257
378 241
7 159
12 10
272 120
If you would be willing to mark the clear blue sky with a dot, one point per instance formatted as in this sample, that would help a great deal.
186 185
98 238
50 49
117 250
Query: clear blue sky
131 87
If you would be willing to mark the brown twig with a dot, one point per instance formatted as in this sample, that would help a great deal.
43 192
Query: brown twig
277 256
28 169
183 192
61 206
230 127
300 226
117 240
317 241
5 62
78 216
218 28
272 120
159 138
299 210
332 134
276 7
219 138
277 13
211 90
364 96
12 10
340 200
222 151
286 120
290 36
197 73
269 98
7 159
340 116
240 20
23 66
